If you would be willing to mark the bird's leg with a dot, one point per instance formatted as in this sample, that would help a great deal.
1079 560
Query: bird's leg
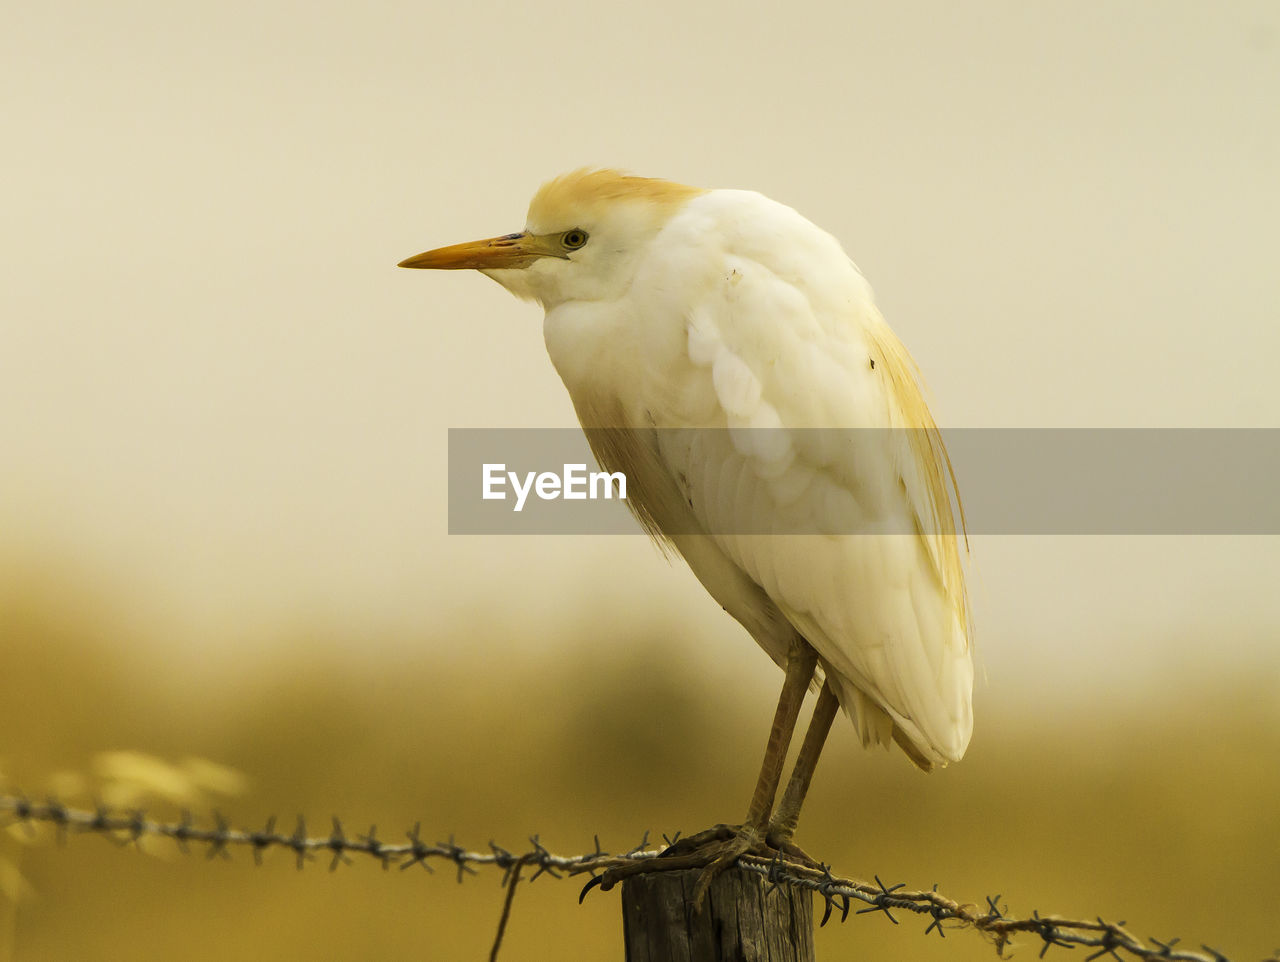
718 848
801 662
783 825
750 836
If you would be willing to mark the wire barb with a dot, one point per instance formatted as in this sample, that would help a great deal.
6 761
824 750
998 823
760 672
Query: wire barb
369 843
878 904
262 840
417 850
1048 930
339 845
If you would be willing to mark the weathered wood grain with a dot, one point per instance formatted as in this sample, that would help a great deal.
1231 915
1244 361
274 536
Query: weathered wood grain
741 920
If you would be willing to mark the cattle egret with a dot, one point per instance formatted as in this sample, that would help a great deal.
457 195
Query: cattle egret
669 306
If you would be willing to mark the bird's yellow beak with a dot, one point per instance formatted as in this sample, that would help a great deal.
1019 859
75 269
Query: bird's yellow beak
509 250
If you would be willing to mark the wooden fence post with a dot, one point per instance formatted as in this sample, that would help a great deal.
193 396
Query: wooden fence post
741 921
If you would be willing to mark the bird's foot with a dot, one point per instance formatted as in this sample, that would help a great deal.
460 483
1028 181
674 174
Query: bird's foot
781 843
688 844
713 851
722 853
776 842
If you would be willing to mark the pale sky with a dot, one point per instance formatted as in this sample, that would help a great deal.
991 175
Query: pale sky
220 401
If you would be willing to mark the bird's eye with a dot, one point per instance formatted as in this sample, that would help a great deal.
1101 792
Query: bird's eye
573 239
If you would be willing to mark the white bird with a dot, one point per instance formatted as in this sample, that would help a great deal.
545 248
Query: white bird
669 306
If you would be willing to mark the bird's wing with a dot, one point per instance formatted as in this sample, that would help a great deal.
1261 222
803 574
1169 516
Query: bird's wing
886 612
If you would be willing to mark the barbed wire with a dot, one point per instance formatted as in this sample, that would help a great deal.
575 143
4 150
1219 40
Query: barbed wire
1110 939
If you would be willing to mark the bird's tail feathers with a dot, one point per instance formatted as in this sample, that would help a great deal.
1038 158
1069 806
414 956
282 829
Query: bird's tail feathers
876 726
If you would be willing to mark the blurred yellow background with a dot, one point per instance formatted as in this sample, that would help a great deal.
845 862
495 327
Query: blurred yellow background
223 421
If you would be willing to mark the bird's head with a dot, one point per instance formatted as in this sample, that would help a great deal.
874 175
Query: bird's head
583 237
